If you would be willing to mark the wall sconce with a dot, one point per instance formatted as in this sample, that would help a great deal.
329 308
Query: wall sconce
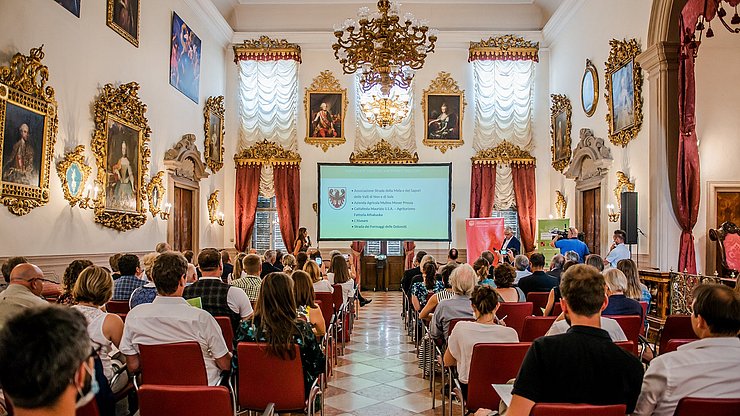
155 194
87 202
623 185
74 170
613 215
165 215
215 216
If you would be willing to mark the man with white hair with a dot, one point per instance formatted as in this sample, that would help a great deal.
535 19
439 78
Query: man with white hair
511 242
521 263
463 281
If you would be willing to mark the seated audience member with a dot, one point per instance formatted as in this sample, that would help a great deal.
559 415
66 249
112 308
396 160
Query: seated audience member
452 256
289 264
618 249
521 263
188 254
319 283
278 260
556 266
484 330
344 279
420 290
538 281
409 274
46 367
276 324
554 296
315 255
148 292
227 269
447 293
330 269
191 276
113 261
131 277
481 267
250 282
23 292
9 265
171 319
504 276
238 272
305 301
709 367
571 255
300 260
217 297
572 357
619 304
596 261
267 261
463 281
635 288
71 273
93 290
163 247
488 255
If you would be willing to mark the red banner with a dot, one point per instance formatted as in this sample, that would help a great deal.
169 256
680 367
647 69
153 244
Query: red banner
484 234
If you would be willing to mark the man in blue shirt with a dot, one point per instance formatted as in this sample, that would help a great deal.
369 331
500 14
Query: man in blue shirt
131 277
571 243
618 250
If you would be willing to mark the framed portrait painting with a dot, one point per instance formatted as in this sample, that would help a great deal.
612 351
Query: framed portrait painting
589 89
561 112
72 6
443 104
326 104
28 128
623 91
213 113
123 17
184 58
121 147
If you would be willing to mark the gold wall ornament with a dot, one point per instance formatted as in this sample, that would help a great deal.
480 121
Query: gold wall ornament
589 89
505 47
506 153
214 216
73 171
155 192
383 153
623 185
444 133
326 105
213 126
561 112
266 152
265 48
623 91
560 204
121 147
28 116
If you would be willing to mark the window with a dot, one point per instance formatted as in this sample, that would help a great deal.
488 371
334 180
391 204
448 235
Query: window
510 219
266 234
390 248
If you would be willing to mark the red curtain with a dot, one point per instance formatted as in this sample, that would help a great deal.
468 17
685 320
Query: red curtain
482 190
287 199
357 248
408 250
245 203
525 192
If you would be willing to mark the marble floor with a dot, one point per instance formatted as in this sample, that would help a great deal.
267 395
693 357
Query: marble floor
379 373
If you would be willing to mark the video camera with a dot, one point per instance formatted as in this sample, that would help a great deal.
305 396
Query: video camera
560 233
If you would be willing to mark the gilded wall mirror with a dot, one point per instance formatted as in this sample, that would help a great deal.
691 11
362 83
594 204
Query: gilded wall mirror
73 171
589 89
155 191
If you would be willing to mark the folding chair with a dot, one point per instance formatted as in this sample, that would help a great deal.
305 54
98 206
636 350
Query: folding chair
673 344
628 346
117 306
691 406
155 400
178 364
513 313
535 327
225 323
563 409
539 301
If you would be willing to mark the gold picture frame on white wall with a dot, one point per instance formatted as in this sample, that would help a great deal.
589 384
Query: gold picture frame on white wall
443 104
623 91
326 106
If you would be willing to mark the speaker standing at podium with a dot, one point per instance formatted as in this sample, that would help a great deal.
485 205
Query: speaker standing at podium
618 250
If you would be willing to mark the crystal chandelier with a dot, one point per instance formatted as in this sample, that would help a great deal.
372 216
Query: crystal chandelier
387 49
386 111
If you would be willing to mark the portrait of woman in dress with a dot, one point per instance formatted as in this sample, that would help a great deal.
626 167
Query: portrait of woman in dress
123 172
443 119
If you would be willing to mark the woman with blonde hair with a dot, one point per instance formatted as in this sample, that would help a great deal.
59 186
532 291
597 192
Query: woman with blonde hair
343 278
238 272
481 267
289 264
305 301
319 283
148 292
635 288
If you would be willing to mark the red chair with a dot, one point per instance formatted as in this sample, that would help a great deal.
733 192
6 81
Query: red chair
557 309
643 328
185 401
160 364
122 316
90 409
454 322
490 364
675 327
630 325
539 301
535 327
690 406
628 346
673 344
117 306
228 332
515 312
264 379
562 409
327 310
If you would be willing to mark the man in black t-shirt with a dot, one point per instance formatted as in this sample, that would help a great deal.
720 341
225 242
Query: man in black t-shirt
538 281
582 365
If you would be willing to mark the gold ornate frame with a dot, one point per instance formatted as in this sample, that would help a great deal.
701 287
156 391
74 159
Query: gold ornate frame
560 204
590 69
76 158
23 84
214 107
213 216
443 85
123 105
622 53
385 154
266 152
623 185
113 25
560 104
505 47
157 182
505 153
325 83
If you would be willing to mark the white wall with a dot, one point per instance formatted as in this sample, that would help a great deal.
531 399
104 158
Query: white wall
83 55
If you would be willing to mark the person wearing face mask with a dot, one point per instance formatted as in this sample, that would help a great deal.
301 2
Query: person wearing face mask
24 291
47 366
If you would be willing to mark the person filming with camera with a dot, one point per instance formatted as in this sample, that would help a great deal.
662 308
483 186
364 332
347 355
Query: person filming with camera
569 241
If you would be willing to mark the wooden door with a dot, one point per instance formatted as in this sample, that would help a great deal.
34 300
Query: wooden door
183 220
591 215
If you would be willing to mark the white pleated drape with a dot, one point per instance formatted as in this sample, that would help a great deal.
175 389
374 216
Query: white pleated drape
503 103
268 102
267 181
368 134
504 197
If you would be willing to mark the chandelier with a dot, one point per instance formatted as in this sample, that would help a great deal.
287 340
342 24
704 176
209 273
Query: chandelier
387 49
386 111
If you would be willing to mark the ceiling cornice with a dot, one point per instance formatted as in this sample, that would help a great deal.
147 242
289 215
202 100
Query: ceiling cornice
208 12
560 19
372 2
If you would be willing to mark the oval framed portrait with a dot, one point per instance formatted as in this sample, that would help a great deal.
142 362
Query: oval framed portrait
589 89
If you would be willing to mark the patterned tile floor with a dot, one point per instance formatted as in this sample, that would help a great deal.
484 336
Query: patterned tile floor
379 374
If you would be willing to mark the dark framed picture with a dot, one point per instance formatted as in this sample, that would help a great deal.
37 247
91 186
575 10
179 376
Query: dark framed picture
73 6
123 166
561 112
184 58
213 113
443 104
23 142
326 105
123 18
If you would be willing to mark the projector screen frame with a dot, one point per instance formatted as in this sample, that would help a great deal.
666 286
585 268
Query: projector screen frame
319 200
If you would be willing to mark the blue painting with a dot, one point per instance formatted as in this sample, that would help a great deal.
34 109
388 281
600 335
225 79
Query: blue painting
184 58
74 179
